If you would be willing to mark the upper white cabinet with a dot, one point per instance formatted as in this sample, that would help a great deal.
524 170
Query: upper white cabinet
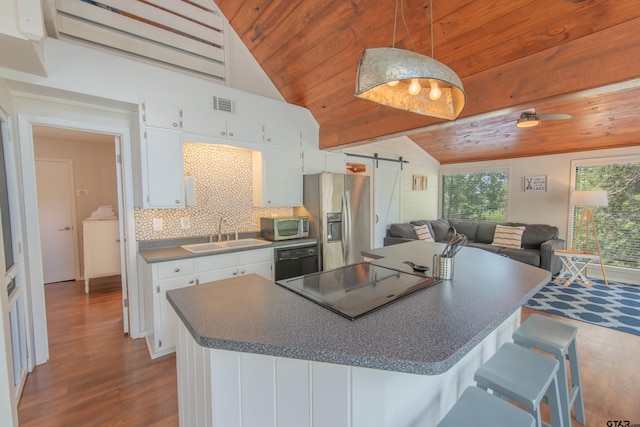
278 135
161 115
316 161
277 177
202 126
162 169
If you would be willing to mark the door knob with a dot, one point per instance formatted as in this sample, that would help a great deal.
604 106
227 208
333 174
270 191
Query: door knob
67 228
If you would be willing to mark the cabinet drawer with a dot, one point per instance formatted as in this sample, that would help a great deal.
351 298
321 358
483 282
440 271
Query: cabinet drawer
254 256
175 268
216 262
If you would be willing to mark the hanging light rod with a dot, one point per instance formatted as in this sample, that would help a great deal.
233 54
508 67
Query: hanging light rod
410 81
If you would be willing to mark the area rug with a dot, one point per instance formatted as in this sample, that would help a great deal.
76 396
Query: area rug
616 306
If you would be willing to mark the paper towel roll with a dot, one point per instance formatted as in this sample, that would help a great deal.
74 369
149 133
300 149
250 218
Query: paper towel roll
189 190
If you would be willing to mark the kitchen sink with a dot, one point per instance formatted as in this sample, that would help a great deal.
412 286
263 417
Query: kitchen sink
198 248
245 242
203 247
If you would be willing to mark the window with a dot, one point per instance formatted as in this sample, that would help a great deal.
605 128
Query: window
476 196
617 224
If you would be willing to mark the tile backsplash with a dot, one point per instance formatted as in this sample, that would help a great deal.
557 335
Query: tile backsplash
224 188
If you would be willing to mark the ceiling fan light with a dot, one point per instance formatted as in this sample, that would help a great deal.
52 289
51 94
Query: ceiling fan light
379 66
528 121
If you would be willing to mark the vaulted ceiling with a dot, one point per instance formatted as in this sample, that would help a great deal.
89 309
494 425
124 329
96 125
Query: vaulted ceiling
579 57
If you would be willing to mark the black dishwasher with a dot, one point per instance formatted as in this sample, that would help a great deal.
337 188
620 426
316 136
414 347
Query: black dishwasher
296 261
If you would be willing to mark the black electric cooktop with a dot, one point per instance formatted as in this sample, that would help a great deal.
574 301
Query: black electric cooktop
357 289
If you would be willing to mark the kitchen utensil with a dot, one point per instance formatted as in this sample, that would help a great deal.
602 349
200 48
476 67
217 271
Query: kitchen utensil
417 267
451 233
457 246
457 239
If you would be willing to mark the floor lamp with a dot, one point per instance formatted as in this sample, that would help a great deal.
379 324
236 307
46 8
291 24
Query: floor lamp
588 199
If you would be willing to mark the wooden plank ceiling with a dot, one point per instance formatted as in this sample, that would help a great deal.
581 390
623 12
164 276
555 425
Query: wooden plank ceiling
579 57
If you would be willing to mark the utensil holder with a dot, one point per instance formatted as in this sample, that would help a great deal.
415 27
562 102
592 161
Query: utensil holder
442 267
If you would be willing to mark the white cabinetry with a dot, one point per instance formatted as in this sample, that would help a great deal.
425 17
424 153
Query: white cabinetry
202 126
101 242
278 135
224 266
161 319
162 164
316 161
277 177
160 115
161 277
163 182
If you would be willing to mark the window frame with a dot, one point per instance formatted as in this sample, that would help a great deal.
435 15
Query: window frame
474 170
595 161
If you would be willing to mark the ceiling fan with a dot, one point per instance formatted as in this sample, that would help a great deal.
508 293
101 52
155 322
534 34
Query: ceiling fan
529 118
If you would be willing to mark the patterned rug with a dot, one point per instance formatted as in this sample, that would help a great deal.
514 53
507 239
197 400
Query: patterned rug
616 306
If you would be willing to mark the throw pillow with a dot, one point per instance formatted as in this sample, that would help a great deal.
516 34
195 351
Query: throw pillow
508 237
422 231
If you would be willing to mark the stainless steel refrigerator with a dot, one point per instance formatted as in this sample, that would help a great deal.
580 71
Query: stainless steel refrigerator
339 211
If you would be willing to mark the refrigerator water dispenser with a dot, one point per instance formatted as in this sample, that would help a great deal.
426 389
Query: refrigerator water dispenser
334 227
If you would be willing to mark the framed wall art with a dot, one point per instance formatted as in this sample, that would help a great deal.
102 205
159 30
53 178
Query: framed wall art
419 182
535 183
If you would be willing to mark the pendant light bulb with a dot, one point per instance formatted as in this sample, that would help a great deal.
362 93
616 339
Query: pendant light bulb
435 92
414 87
393 83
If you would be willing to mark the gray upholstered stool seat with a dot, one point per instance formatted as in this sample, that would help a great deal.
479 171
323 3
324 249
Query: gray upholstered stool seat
523 376
559 339
478 408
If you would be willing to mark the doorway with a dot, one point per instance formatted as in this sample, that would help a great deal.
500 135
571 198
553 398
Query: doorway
78 169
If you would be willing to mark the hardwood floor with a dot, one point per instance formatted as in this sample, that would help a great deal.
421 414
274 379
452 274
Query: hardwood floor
98 377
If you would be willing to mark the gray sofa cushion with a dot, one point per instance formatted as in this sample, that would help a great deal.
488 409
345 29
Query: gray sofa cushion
440 228
402 230
535 234
485 233
468 228
529 256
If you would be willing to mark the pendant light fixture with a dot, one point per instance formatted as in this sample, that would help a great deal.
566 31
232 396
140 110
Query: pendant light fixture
410 81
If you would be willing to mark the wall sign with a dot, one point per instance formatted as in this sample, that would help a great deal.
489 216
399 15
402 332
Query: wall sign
535 183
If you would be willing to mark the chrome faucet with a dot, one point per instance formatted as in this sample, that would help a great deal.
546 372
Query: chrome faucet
222 219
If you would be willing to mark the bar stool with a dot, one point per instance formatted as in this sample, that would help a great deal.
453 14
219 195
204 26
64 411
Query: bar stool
480 409
523 376
559 339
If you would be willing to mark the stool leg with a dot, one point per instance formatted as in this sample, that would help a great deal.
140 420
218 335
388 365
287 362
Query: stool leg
563 386
576 383
555 405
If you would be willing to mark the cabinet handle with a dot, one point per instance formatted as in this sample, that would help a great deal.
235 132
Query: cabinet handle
177 269
241 271
175 125
235 273
191 282
177 202
223 133
230 133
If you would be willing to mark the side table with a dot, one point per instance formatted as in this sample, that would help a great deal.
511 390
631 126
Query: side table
572 271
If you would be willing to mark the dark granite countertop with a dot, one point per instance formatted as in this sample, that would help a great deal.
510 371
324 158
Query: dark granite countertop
425 333
169 250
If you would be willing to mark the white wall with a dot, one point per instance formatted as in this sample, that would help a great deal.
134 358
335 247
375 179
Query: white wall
552 206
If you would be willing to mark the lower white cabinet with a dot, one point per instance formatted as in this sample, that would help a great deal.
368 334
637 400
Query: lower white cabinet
160 277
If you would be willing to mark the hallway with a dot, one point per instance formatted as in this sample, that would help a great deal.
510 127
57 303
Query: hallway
96 376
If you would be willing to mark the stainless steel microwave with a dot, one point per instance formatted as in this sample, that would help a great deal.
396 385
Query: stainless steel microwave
284 228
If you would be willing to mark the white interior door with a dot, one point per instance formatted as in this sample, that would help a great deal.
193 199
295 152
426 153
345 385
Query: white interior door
56 211
387 179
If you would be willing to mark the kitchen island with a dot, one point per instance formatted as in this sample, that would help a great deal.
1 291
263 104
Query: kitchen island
252 353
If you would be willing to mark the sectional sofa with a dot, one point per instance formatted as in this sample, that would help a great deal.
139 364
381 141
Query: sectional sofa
536 246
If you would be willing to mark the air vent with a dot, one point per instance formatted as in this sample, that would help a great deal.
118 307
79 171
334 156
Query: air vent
224 104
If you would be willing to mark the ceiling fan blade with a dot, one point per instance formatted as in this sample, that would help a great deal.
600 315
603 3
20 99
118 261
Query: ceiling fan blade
554 116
